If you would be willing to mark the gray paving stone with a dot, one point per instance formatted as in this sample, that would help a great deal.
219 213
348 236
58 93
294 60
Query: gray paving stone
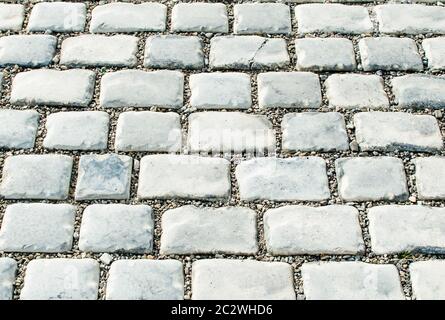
350 91
58 17
390 53
145 280
104 177
128 17
8 269
36 50
289 90
248 52
351 281
217 90
314 131
99 50
184 177
200 17
419 91
87 130
435 52
430 178
193 230
290 179
136 88
148 131
37 227
11 17
329 18
18 128
325 54
389 131
262 18
36 177
49 87
403 228
117 228
295 230
371 179
230 132
428 279
61 279
174 52
226 279
410 18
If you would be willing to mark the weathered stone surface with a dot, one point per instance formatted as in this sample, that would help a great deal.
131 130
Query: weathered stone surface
419 91
193 230
403 228
37 227
61 279
428 279
200 17
145 280
351 281
11 17
289 179
8 268
58 17
225 279
184 177
116 228
36 50
314 131
430 178
435 52
262 18
371 179
18 128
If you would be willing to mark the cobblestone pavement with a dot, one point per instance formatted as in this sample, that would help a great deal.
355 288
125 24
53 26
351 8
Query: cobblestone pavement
217 150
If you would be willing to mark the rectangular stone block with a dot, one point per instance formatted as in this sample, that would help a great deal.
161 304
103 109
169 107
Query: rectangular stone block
11 16
435 53
419 91
18 128
262 18
428 279
430 178
8 269
57 17
36 50
200 17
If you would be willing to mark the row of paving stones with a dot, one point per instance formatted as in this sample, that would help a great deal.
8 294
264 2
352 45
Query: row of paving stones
220 279
167 176
249 18
188 230
221 132
226 52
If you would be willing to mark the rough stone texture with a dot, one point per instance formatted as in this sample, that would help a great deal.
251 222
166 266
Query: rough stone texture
18 128
104 177
11 17
148 131
351 281
419 91
325 54
36 177
289 90
371 179
389 131
329 18
350 91
200 17
430 178
428 279
116 228
8 268
49 87
435 52
230 131
229 90
35 50
99 50
290 179
225 279
128 88
295 230
184 177
398 228
174 52
193 230
145 280
61 279
128 17
262 18
314 131
248 52
37 227
57 17
390 53
87 130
